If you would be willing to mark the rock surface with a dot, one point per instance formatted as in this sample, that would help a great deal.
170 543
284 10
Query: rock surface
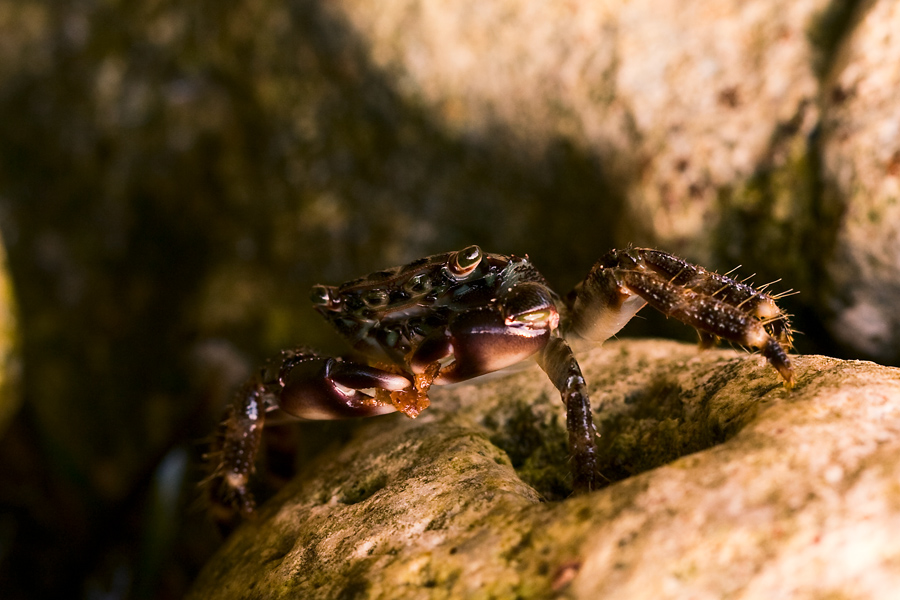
861 161
678 102
725 486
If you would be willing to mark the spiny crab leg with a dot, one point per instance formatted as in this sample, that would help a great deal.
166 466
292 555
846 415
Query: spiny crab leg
717 306
711 316
234 452
750 300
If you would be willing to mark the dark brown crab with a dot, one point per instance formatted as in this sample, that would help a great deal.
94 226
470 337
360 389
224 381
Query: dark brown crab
453 316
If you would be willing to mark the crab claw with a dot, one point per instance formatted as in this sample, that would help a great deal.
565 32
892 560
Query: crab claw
328 389
484 341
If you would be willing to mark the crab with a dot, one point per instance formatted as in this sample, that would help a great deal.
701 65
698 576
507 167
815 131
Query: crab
451 317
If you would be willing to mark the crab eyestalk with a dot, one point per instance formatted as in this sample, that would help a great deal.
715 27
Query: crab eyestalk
465 261
323 297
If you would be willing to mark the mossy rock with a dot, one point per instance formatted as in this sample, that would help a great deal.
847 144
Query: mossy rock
727 486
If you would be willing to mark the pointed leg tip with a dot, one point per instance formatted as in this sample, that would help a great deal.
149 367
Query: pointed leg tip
788 377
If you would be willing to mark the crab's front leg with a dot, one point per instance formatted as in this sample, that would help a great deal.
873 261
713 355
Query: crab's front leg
558 361
491 337
623 281
303 385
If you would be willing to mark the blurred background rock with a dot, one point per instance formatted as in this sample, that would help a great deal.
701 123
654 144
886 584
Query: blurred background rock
174 176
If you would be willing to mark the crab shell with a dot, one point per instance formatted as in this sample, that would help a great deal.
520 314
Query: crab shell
468 311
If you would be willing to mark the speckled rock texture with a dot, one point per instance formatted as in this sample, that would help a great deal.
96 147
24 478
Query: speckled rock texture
722 484
678 100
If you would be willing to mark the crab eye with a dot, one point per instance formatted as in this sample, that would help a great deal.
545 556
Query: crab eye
464 262
417 284
320 295
533 317
545 318
375 298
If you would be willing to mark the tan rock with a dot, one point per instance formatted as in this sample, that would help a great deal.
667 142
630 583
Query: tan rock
702 119
861 160
739 489
676 100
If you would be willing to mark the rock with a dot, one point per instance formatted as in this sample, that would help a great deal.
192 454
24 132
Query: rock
723 484
679 103
861 164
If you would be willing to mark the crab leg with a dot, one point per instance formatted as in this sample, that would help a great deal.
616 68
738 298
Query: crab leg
303 385
717 306
558 361
750 300
234 454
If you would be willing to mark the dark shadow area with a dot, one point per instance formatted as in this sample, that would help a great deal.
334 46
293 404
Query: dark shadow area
538 449
830 28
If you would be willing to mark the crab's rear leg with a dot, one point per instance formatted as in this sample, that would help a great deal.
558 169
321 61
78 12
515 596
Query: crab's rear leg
717 306
302 385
